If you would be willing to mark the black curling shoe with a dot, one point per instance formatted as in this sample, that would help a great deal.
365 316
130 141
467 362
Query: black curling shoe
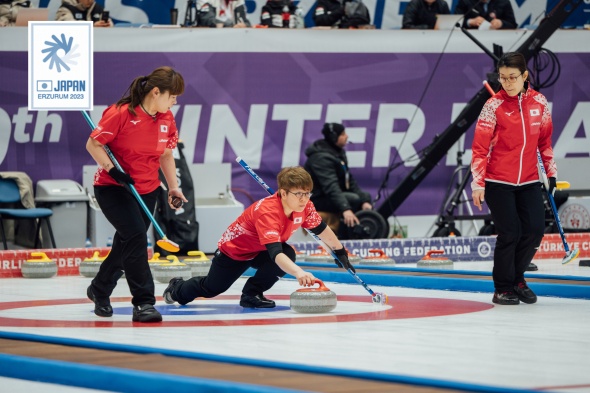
531 267
257 301
505 298
524 293
102 308
146 313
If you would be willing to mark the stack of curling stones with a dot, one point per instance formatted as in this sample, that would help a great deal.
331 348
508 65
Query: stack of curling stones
164 272
428 261
89 266
313 300
198 262
377 257
41 267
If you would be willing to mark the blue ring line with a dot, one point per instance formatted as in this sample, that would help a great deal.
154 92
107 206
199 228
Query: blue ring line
61 372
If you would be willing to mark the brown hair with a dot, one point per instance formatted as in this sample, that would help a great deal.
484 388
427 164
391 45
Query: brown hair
294 177
164 78
513 60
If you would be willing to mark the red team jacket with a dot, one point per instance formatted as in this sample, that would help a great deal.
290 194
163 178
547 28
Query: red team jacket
137 143
262 223
508 133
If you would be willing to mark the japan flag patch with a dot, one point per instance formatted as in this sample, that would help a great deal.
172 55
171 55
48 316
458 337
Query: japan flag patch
535 112
298 220
164 128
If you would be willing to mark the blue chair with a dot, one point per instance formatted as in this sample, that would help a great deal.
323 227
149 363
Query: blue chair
9 194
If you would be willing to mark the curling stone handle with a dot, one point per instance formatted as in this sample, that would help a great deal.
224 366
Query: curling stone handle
196 254
42 255
431 252
321 284
377 251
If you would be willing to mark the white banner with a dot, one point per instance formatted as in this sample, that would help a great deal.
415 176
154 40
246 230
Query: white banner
60 66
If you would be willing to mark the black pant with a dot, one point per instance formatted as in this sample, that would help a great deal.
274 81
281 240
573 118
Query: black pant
519 216
129 250
225 271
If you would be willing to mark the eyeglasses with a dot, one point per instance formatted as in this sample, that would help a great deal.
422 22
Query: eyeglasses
300 194
510 79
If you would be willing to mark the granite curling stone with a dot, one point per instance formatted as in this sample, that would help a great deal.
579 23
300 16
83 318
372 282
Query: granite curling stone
428 261
89 267
321 256
42 267
313 300
377 257
198 262
165 272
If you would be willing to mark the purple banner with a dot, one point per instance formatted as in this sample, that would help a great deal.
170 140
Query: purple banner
268 107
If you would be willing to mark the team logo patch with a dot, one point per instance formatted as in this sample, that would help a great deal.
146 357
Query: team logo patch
535 112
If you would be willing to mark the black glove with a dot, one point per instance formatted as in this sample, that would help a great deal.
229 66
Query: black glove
552 186
120 177
342 260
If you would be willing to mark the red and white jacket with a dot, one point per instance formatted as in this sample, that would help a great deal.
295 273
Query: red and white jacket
508 133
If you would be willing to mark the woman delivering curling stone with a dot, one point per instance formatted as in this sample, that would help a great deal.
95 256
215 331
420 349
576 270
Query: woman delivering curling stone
258 239
141 132
512 125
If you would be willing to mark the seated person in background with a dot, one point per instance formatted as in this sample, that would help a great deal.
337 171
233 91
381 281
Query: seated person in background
281 13
222 13
83 10
421 14
9 9
498 13
334 188
344 14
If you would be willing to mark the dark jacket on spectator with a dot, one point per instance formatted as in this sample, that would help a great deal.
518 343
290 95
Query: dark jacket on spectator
421 15
341 13
73 10
271 15
328 166
208 13
496 9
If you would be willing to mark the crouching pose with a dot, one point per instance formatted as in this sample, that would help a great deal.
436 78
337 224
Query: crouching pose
257 239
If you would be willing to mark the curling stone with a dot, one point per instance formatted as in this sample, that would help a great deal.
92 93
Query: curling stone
300 255
155 261
42 267
199 263
313 300
321 256
377 257
164 272
428 261
353 258
89 267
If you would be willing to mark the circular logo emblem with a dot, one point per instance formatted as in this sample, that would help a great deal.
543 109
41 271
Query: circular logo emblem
484 249
575 216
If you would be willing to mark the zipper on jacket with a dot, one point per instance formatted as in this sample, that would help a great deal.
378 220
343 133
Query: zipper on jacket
523 137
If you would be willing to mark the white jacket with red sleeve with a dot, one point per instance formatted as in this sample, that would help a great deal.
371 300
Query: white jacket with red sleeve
508 133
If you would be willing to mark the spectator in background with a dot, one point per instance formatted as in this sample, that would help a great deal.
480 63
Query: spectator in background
222 13
421 14
498 13
344 14
334 188
9 9
281 13
82 10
